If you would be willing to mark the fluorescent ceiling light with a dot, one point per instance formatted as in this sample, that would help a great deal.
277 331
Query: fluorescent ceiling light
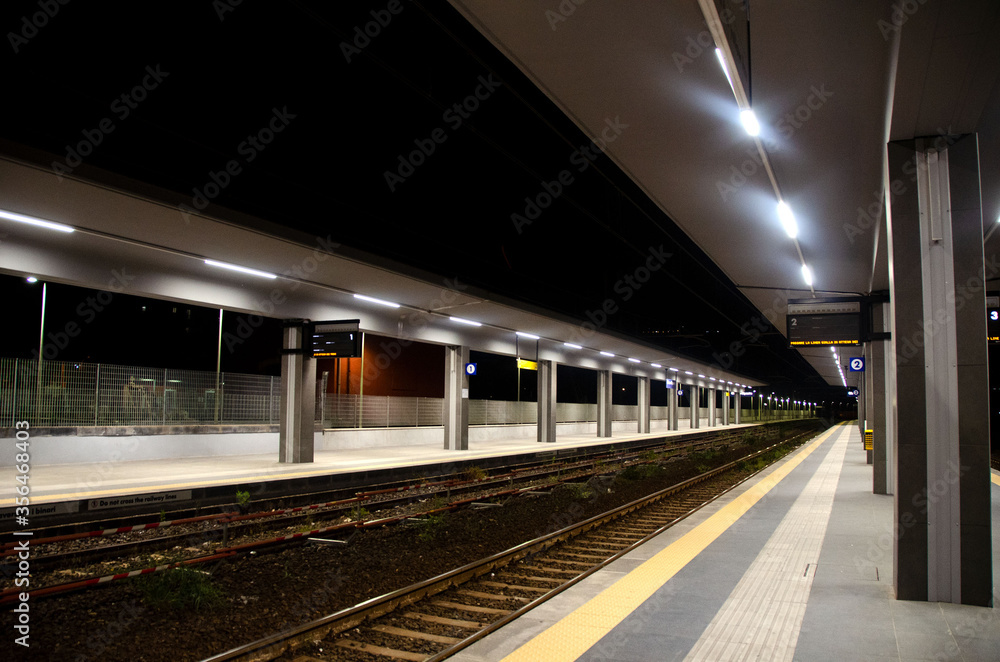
688 372
807 275
572 346
530 336
244 270
833 349
750 123
787 219
673 369
725 69
31 220
634 360
656 365
701 376
31 279
712 378
606 354
380 302
462 320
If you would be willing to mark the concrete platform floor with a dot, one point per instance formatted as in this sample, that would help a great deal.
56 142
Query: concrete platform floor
795 564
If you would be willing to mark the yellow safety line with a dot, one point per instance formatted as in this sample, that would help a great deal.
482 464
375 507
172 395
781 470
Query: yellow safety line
995 478
572 636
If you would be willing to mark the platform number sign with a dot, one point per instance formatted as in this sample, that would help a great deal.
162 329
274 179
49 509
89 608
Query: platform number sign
470 369
853 392
857 364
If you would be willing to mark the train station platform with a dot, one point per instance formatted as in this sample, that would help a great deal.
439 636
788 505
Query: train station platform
794 564
66 489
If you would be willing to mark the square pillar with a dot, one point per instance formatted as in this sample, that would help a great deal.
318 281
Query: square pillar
297 418
875 364
869 393
695 407
604 411
711 408
738 414
546 401
456 398
643 405
943 550
726 404
671 404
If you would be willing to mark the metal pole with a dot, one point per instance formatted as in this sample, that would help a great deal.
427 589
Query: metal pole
361 384
97 392
41 344
218 369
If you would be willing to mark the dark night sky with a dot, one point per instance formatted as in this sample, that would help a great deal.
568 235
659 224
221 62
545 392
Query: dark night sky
348 110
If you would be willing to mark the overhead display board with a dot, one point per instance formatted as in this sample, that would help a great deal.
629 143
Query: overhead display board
824 323
335 339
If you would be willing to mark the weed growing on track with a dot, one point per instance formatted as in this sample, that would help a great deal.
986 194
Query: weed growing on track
180 588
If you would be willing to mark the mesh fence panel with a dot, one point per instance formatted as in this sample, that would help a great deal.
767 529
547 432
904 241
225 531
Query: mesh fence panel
78 394
624 412
575 412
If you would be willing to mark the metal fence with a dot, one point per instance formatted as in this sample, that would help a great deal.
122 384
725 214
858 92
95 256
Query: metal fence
73 394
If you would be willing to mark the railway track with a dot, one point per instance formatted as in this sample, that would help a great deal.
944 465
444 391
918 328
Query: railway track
436 618
219 530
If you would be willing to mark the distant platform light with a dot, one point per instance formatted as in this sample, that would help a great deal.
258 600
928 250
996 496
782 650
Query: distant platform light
807 275
688 372
571 345
529 336
31 279
242 270
634 360
750 123
673 369
787 219
462 320
701 376
381 302
607 354
656 365
31 220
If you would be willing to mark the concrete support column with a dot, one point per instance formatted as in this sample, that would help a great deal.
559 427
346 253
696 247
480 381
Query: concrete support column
695 406
727 401
870 413
738 417
876 367
711 408
943 549
298 397
546 401
643 405
671 405
456 398
604 411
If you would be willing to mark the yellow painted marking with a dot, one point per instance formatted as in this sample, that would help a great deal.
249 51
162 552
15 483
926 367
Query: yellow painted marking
995 478
572 636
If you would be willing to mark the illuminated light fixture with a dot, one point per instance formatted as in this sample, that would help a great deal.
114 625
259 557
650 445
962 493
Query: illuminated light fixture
701 376
606 354
530 336
380 302
673 369
462 320
31 279
729 382
833 349
807 275
571 345
750 123
787 219
242 270
688 372
31 220
634 360
656 365
712 378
